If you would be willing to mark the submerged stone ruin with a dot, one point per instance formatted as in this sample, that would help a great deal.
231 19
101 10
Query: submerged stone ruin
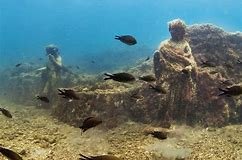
113 100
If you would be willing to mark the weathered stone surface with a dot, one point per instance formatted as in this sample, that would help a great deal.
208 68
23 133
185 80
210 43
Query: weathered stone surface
22 84
113 101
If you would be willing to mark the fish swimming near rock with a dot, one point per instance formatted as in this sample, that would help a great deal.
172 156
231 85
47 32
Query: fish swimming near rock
127 39
68 94
6 113
101 157
148 78
90 122
120 77
239 61
158 89
148 58
157 132
11 155
19 64
233 90
43 98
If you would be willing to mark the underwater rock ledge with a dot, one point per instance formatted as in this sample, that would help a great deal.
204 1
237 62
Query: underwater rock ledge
112 99
209 43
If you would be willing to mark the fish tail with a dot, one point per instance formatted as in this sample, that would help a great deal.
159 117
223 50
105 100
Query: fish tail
60 91
224 92
110 76
83 157
82 129
117 37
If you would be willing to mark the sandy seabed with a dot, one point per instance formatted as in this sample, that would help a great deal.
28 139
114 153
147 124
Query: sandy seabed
35 135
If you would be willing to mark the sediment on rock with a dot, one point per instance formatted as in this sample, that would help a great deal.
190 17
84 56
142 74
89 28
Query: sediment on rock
112 101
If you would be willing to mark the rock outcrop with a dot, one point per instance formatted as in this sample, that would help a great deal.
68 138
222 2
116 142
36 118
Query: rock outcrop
116 102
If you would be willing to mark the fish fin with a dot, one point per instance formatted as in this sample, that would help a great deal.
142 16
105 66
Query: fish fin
109 76
82 157
60 92
117 37
221 94
88 119
83 129
224 92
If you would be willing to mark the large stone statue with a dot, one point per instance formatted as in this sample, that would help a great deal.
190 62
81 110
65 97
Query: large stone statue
175 68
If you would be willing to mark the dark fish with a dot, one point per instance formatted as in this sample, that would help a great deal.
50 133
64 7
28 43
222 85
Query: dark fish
207 64
158 89
11 155
90 122
239 61
234 90
77 67
120 77
148 78
92 61
159 135
147 58
102 157
44 99
6 113
19 64
68 94
127 39
40 59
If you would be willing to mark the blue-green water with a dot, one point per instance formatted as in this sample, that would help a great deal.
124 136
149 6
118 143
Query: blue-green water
85 30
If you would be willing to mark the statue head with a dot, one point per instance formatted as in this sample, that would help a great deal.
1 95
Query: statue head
177 29
52 49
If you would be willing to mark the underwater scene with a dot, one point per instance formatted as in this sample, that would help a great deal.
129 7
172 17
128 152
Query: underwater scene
121 80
